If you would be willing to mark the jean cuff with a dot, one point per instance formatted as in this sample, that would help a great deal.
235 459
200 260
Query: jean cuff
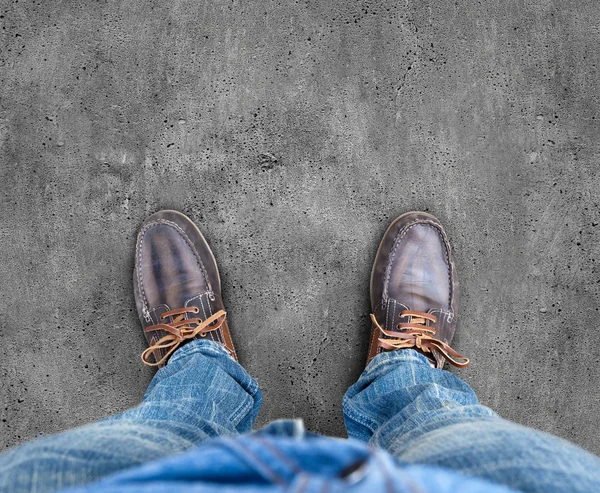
203 346
395 357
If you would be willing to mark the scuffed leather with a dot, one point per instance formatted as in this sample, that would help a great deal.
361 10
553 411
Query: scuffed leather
174 268
413 270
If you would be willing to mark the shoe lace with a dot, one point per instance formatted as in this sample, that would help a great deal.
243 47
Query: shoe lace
180 330
417 334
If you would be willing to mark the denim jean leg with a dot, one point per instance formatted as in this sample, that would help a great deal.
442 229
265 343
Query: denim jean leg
201 393
423 415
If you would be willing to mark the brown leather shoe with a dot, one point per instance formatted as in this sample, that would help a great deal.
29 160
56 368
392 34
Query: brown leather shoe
414 291
177 287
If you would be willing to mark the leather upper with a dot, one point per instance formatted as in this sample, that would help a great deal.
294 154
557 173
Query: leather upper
175 268
414 271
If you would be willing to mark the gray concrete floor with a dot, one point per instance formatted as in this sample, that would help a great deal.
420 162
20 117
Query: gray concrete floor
293 133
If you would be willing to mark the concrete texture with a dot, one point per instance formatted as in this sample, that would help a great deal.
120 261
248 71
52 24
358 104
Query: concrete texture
293 133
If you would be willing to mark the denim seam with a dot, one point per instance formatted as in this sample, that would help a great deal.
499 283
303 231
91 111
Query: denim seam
385 358
360 418
239 413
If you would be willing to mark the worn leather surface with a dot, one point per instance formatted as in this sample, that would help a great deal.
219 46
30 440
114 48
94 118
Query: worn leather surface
175 268
413 270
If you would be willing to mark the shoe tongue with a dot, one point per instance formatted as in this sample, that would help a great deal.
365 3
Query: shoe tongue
421 303
427 322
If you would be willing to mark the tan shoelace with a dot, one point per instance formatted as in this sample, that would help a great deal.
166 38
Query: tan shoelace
417 334
179 330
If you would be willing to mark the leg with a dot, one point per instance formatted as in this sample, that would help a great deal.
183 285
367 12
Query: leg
201 393
423 415
405 403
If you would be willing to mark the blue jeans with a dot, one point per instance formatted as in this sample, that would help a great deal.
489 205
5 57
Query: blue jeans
422 416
